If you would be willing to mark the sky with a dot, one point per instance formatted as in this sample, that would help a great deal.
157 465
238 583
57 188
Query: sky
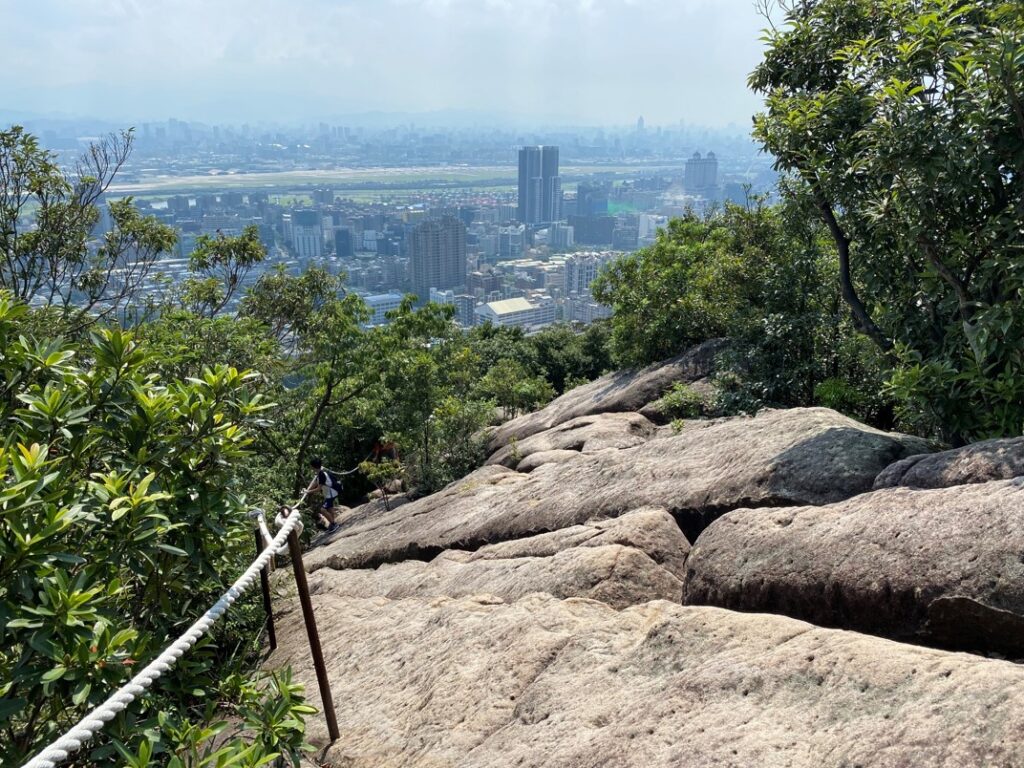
567 62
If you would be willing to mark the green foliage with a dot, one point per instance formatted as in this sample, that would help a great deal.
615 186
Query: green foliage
384 475
428 384
765 277
564 354
218 265
119 524
567 356
50 249
903 123
509 384
677 292
681 402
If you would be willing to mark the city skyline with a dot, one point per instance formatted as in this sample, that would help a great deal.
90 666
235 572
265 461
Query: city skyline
543 61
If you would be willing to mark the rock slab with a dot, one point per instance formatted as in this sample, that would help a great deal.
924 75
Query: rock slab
627 390
976 463
778 458
574 684
585 434
630 560
941 566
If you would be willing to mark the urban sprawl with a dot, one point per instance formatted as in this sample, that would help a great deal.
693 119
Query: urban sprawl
446 216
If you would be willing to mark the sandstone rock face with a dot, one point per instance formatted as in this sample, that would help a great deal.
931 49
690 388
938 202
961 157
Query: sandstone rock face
585 434
628 390
573 683
940 566
975 463
650 530
617 576
638 557
778 458
535 460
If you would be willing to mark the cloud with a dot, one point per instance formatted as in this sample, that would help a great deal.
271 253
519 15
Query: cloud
593 60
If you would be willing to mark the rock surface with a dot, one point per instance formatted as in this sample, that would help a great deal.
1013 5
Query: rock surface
585 434
941 566
628 390
975 463
635 558
535 460
778 458
573 683
617 576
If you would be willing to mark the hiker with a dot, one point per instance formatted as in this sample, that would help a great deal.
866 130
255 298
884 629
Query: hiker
329 487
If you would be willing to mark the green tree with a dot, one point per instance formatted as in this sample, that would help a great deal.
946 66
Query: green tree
219 265
903 121
430 411
50 249
567 355
120 522
675 293
512 387
766 278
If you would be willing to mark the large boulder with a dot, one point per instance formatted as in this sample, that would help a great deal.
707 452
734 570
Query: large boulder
613 574
938 566
627 390
571 683
976 463
585 434
632 559
778 458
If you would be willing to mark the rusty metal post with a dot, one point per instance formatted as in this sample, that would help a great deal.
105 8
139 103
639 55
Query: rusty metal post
265 585
295 550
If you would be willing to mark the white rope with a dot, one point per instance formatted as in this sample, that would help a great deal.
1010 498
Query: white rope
91 724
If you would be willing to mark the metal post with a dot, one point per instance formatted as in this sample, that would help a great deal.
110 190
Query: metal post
265 585
295 550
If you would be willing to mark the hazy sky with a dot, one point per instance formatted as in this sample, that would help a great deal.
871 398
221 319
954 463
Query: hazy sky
570 61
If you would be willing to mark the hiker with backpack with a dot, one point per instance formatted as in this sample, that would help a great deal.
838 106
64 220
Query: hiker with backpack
329 486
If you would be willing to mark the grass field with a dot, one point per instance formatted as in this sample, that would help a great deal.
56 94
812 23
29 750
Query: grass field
399 180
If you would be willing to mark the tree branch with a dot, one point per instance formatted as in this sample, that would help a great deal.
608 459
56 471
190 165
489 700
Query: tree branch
860 312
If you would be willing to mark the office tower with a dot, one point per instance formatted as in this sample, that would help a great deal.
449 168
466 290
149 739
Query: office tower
592 230
344 242
701 175
511 242
540 186
560 236
307 234
591 199
437 256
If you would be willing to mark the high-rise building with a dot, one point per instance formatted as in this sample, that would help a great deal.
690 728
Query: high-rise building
540 186
701 174
307 234
437 256
511 242
582 268
591 199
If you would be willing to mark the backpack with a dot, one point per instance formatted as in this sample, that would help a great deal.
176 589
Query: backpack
336 481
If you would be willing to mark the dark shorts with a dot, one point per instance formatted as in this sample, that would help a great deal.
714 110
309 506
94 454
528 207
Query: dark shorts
328 503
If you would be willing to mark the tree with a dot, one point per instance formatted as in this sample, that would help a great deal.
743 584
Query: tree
512 387
332 355
675 293
567 355
120 522
766 278
50 248
429 409
219 265
904 123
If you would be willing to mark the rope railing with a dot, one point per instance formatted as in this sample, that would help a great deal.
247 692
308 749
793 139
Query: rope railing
87 728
